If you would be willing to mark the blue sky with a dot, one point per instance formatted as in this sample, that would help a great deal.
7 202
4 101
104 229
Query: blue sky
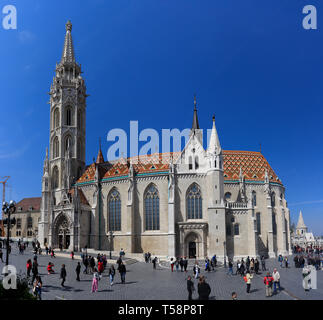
250 63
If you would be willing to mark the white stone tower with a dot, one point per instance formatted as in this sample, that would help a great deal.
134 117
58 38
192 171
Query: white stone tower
216 206
66 159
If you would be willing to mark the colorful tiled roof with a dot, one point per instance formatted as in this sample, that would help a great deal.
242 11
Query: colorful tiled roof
253 165
81 194
26 204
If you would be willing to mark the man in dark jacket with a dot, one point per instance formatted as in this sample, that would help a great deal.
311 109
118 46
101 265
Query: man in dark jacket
78 270
190 287
122 271
204 289
63 275
185 263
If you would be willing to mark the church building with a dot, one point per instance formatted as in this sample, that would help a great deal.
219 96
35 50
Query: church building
196 203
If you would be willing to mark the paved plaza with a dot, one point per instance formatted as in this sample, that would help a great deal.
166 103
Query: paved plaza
144 283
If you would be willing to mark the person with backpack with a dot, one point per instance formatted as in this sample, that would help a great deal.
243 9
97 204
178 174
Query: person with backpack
112 272
268 281
247 278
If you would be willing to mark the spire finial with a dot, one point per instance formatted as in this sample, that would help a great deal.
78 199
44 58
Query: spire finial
68 26
260 147
194 101
100 143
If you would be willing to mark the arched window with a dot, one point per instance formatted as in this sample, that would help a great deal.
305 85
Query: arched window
194 202
151 201
227 196
236 229
56 148
68 116
56 118
254 198
114 205
55 178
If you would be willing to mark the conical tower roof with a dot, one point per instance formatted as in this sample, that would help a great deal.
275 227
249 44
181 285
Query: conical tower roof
300 223
195 124
214 144
68 50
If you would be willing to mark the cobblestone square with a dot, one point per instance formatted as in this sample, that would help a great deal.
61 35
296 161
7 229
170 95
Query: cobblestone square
145 283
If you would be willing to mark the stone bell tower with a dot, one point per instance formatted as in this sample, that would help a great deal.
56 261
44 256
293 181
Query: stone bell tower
67 121
66 159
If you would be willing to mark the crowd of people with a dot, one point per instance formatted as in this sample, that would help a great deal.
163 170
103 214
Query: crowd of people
97 265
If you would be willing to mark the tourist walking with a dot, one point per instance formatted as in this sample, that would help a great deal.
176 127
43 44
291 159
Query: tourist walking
29 267
50 268
280 260
78 271
190 287
247 279
185 263
63 275
95 281
256 266
112 272
196 270
34 271
263 263
268 281
286 262
154 262
230 270
37 286
276 277
122 271
203 289
86 264
172 262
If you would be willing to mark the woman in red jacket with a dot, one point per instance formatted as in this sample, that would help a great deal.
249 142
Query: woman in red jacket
29 267
50 268
100 267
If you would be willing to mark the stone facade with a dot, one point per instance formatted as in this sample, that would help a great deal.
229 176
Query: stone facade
196 203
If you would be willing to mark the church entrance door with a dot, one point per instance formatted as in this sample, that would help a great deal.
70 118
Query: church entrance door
62 231
192 250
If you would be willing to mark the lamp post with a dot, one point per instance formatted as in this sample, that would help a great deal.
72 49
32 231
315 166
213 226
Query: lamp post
225 260
8 209
111 238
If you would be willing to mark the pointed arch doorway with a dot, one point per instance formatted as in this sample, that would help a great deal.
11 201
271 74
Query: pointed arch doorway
62 232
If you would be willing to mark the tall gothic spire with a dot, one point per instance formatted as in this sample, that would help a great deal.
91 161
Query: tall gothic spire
214 144
300 223
68 50
195 124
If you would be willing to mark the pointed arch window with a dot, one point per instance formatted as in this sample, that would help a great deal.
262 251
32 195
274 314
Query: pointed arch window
194 202
55 177
151 202
68 145
56 118
196 162
114 207
273 202
68 116
190 163
56 148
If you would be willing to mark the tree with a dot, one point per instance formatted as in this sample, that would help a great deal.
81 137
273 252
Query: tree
21 293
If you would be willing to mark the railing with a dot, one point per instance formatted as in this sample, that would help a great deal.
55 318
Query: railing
236 205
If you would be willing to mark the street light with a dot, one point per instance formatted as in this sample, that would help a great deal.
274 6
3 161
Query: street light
9 209
111 238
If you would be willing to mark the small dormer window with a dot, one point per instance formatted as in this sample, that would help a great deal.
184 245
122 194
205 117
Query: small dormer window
116 172
271 177
225 176
255 176
152 168
87 177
